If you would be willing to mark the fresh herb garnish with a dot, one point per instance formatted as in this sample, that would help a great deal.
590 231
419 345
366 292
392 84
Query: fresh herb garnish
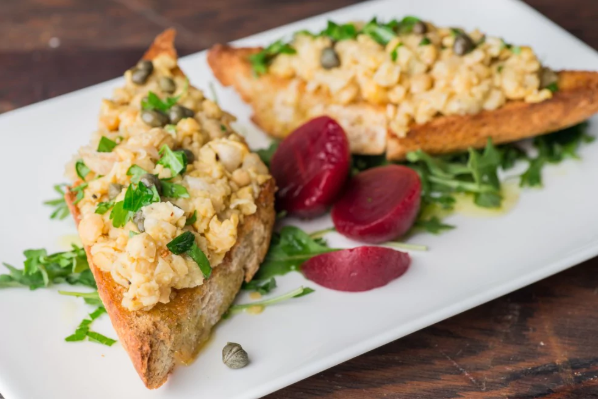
136 172
425 41
83 330
288 250
553 87
340 32
191 220
262 287
82 169
185 243
260 61
79 190
153 102
174 190
119 215
267 154
105 146
394 54
61 210
432 225
42 270
137 196
104 206
170 128
381 33
176 161
299 292
91 298
406 24
516 49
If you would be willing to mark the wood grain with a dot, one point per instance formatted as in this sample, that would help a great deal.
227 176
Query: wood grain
541 341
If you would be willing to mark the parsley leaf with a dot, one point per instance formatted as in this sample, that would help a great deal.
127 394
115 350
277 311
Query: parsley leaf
267 154
174 190
191 220
260 61
425 41
104 206
553 87
381 33
185 243
406 25
79 190
338 32
61 210
175 160
136 172
99 338
106 145
261 287
153 102
138 196
82 169
394 54
200 259
119 215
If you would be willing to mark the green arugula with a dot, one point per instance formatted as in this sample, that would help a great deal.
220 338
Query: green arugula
176 161
81 169
61 210
42 270
260 61
262 287
299 292
106 145
267 154
432 225
174 190
288 250
185 243
84 331
191 220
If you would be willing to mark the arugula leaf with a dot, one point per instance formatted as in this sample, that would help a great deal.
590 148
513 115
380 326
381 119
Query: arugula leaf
104 206
83 330
42 270
288 250
82 169
61 210
99 338
174 190
261 287
175 160
381 33
153 102
191 220
136 172
433 225
338 32
106 145
185 243
267 154
260 61
299 292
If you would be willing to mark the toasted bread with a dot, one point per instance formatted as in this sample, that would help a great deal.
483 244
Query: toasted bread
365 124
172 333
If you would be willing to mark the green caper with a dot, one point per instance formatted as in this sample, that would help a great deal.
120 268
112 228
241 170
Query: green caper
139 220
150 180
420 28
547 77
233 356
146 65
329 58
167 84
463 44
114 190
139 76
189 154
154 118
177 113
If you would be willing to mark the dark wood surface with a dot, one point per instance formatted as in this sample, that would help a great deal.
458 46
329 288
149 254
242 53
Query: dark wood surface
541 341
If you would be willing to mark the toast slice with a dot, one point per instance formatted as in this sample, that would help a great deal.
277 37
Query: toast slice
172 333
365 124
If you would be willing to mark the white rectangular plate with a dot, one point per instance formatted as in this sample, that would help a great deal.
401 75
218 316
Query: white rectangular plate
549 230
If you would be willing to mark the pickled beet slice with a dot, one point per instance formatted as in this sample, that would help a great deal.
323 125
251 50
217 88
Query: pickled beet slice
356 270
310 167
379 204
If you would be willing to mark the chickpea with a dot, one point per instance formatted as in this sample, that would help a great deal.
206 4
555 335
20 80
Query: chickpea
91 228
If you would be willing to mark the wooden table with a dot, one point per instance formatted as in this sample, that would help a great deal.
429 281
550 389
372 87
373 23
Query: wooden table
540 341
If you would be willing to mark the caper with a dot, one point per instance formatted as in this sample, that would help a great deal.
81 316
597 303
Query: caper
463 44
420 28
329 58
114 190
233 356
547 77
146 65
150 180
177 113
139 220
139 76
154 118
190 156
167 84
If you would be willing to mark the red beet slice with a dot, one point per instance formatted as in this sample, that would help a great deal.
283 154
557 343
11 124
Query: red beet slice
356 270
379 204
310 167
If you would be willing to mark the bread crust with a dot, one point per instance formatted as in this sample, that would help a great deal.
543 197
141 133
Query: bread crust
158 339
576 101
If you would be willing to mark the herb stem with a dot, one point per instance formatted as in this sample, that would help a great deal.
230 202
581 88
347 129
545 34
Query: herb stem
240 307
321 233
407 246
213 90
90 295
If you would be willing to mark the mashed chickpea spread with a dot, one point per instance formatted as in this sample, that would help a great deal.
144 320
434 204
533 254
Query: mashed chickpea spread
413 68
163 162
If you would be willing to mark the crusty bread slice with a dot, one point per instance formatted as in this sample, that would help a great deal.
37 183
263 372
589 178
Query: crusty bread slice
172 333
365 124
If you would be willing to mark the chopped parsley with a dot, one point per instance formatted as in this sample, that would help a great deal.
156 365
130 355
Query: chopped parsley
136 197
406 24
381 33
553 87
176 161
261 60
425 41
61 210
267 154
394 54
192 219
153 102
136 172
105 146
174 190
340 32
185 243
104 206
81 169
170 128
79 190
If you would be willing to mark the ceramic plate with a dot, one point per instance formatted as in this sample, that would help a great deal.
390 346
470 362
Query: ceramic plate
547 231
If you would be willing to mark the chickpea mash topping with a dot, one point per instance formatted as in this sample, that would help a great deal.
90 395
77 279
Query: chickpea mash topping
163 185
415 69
